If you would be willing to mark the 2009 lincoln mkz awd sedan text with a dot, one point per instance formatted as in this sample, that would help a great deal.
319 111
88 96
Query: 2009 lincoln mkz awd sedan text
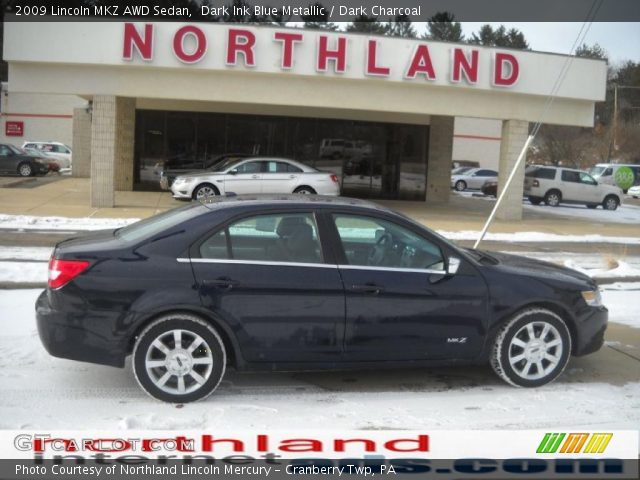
297 283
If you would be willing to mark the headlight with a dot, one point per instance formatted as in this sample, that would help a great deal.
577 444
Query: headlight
592 297
181 180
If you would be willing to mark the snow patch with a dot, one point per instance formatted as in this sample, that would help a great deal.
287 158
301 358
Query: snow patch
27 222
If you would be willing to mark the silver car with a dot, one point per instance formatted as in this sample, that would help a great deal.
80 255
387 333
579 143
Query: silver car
473 178
255 176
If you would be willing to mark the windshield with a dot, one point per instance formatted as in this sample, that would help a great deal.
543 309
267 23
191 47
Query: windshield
597 171
224 164
153 225
459 170
14 149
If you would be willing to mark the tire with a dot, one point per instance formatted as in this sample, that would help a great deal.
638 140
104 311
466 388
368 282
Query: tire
461 186
25 170
535 201
515 364
173 377
610 202
304 190
591 206
553 198
204 191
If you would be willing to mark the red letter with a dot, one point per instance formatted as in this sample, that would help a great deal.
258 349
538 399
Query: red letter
422 444
462 64
372 68
287 40
339 55
421 63
178 44
208 443
245 47
502 79
133 39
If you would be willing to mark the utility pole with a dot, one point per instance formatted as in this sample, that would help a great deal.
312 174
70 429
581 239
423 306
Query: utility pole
615 120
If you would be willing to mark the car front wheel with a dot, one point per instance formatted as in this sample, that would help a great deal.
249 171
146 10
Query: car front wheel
461 185
179 358
205 191
531 349
25 170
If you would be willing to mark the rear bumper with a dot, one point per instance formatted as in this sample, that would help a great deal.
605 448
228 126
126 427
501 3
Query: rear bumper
77 335
590 330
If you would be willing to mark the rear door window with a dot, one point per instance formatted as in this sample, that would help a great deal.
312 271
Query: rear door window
571 176
288 237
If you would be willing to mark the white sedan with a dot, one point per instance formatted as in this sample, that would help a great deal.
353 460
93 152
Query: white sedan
634 191
254 176
473 179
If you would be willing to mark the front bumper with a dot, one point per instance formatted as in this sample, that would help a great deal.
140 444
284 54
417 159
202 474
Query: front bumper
181 191
76 335
590 328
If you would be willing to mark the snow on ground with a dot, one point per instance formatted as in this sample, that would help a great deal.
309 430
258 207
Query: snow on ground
23 272
38 254
622 301
41 392
28 222
524 237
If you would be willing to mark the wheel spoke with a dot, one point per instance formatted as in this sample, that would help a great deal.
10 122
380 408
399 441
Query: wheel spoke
527 367
177 337
516 359
554 343
162 380
545 331
195 344
197 377
160 346
203 361
539 367
155 363
553 359
518 343
181 387
530 331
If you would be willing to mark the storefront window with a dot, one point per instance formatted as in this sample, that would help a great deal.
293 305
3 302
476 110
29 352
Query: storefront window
371 159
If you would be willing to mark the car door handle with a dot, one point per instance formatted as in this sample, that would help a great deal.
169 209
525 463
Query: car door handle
255 176
221 283
293 176
369 288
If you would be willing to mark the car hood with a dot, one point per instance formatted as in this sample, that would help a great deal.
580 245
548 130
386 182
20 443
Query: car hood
528 266
610 188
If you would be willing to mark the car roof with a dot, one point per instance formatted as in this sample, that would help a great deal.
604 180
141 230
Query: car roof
292 200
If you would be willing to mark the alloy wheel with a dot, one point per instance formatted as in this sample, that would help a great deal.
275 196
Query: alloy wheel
535 350
205 192
179 361
25 170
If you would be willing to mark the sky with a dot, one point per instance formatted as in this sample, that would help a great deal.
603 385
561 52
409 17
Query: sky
620 40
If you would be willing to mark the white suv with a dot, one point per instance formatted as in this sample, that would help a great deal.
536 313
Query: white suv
58 151
555 185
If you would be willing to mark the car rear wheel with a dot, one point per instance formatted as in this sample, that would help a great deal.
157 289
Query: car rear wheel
610 203
461 185
591 206
179 358
204 191
531 349
535 201
304 190
553 198
25 170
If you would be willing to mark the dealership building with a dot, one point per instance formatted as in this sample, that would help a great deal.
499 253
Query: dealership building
387 115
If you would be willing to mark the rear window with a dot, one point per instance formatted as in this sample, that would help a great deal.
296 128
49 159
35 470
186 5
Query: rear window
537 172
153 225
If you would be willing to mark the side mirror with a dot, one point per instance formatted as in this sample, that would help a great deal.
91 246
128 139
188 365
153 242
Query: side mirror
453 264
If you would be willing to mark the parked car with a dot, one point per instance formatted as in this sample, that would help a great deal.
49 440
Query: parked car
472 179
17 161
293 282
57 150
460 170
634 191
490 188
255 175
556 185
169 172
52 163
623 175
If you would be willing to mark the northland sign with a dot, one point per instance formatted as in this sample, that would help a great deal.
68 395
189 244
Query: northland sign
339 54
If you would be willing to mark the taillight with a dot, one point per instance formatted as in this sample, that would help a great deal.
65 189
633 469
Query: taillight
536 183
334 178
62 272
